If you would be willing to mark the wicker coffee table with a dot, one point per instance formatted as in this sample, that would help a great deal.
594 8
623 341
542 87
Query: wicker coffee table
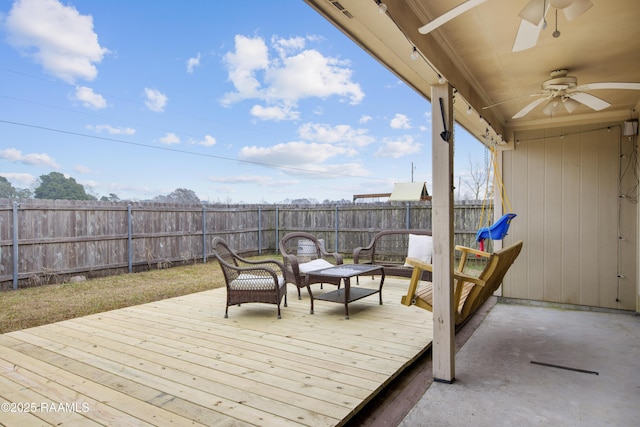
347 294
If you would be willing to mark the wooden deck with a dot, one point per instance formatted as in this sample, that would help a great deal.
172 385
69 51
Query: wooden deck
179 362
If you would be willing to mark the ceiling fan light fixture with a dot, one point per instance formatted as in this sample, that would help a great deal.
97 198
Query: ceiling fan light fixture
534 11
570 105
560 4
551 108
576 8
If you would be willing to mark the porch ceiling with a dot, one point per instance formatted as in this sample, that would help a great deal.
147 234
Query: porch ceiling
474 53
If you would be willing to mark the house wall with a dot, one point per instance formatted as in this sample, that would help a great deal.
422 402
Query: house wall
565 185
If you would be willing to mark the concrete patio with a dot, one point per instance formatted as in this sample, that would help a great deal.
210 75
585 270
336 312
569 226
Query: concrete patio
532 365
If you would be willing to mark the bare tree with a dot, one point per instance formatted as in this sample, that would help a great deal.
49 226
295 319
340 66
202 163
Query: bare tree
476 181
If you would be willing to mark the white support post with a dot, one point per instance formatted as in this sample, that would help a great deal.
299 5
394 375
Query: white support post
443 246
499 192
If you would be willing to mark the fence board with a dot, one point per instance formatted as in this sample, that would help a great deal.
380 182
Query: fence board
58 239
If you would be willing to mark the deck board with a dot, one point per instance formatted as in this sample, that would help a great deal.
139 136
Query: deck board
180 362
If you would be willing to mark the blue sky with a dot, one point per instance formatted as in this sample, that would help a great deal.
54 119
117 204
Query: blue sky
253 102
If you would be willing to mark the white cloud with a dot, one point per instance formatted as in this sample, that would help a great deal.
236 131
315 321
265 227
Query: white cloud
170 138
426 127
112 130
274 113
20 179
192 63
340 134
156 100
82 169
400 121
259 180
333 170
89 98
56 36
208 141
309 157
250 56
395 148
33 159
310 74
365 119
283 79
89 184
297 154
286 47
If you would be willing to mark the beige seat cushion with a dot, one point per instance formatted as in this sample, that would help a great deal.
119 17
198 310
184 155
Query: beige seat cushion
253 281
316 264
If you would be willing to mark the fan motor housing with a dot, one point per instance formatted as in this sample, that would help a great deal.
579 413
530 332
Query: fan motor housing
559 81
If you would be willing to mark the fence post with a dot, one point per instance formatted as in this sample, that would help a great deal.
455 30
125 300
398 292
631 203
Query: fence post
129 240
259 230
337 229
408 217
15 245
277 231
204 234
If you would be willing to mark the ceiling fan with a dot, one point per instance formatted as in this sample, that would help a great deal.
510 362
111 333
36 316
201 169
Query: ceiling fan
448 16
562 90
533 18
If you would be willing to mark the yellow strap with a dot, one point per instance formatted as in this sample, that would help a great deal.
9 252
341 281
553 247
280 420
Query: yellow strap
506 205
484 200
503 194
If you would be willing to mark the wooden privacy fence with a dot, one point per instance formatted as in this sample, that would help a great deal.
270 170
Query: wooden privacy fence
48 241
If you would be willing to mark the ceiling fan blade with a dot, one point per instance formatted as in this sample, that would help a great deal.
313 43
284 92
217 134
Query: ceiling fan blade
534 11
589 100
610 85
448 16
527 36
576 8
529 107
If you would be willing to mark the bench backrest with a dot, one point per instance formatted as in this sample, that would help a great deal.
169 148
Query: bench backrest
392 245
494 271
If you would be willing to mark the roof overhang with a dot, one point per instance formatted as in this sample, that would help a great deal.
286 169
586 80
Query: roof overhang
473 52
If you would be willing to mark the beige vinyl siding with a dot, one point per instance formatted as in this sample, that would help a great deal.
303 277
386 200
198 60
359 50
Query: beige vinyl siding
563 184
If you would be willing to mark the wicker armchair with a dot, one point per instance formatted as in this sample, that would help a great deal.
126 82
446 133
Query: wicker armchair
250 281
302 253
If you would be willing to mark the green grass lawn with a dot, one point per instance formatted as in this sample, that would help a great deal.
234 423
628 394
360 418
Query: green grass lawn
29 307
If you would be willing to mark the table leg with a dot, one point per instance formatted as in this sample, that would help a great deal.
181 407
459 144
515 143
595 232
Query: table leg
309 291
347 296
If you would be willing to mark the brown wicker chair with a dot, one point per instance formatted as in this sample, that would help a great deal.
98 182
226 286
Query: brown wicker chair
302 253
250 281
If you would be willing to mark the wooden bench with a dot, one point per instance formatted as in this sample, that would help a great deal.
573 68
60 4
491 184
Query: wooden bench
388 249
469 292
